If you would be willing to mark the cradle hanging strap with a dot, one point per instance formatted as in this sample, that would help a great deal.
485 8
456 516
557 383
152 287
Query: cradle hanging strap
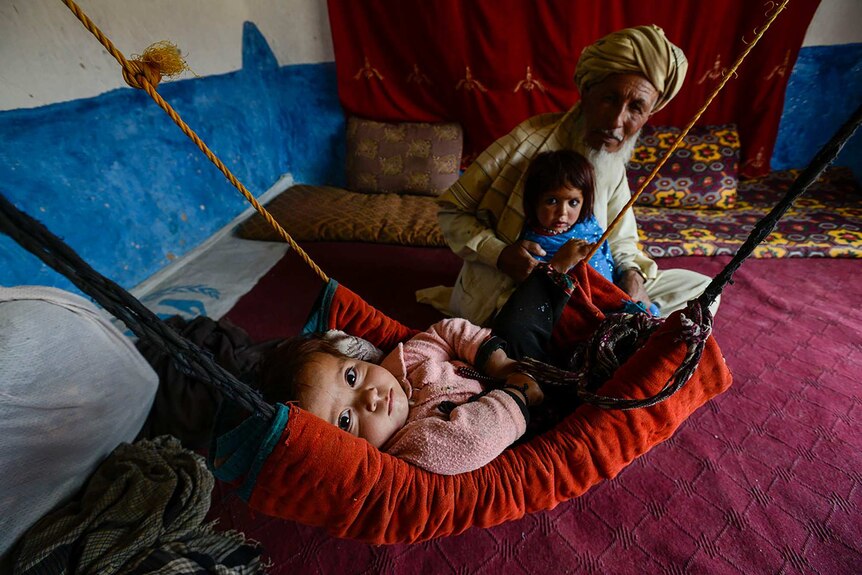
821 160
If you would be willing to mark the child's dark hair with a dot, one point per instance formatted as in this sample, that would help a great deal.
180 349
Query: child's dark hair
282 366
551 171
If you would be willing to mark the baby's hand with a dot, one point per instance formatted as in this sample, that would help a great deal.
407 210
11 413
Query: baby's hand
570 254
528 387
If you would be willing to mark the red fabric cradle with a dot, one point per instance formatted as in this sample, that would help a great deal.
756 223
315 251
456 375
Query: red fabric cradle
318 475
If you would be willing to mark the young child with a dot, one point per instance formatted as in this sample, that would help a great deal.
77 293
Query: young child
415 405
558 208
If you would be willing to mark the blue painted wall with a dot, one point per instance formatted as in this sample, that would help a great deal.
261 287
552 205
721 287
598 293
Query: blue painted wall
825 87
123 186
115 178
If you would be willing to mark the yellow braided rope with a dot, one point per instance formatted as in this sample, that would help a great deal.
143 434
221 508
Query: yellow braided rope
140 75
697 115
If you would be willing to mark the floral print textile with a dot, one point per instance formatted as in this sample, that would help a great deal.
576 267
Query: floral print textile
826 221
701 174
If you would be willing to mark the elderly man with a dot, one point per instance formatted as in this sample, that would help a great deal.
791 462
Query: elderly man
623 78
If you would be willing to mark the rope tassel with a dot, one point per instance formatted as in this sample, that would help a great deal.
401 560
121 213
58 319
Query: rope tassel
160 60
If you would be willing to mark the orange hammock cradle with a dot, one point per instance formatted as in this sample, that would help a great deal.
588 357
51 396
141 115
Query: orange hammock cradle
301 468
290 464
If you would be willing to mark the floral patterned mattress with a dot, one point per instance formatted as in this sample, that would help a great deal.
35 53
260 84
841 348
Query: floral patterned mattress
826 221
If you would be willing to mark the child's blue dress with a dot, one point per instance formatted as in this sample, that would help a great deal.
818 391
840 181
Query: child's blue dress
588 230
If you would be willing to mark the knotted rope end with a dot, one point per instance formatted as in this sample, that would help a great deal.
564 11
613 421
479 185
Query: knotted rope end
162 59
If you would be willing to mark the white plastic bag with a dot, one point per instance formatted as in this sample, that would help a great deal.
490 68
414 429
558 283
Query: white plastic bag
72 388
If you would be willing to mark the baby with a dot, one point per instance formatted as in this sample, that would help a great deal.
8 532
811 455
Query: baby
418 404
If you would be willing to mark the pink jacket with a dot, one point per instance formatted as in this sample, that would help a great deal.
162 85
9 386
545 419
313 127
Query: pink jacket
473 433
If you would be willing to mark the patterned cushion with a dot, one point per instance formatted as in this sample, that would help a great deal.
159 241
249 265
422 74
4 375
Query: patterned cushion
824 222
701 174
323 213
403 157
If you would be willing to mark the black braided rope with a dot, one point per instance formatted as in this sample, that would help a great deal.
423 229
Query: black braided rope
808 176
601 357
33 236
696 323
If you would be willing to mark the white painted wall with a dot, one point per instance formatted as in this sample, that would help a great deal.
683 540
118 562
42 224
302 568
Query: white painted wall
835 22
48 56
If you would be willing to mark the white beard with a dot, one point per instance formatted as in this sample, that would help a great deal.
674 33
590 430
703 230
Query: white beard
607 161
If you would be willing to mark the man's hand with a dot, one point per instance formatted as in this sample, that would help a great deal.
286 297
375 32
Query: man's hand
517 261
632 283
570 254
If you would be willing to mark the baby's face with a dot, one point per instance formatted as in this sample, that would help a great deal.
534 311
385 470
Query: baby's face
359 397
558 210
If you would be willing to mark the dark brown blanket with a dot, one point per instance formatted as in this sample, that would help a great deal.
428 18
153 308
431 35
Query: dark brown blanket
184 406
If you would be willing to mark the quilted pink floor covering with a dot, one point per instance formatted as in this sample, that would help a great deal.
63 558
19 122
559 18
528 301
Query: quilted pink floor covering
767 478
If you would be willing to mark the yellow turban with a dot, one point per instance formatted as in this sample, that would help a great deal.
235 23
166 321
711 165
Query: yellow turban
642 50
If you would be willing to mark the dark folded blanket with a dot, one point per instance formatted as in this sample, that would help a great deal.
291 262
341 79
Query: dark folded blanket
184 406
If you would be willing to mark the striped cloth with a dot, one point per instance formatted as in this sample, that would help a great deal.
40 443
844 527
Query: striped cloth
142 511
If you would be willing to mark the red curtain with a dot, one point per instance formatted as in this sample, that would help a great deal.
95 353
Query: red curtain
489 64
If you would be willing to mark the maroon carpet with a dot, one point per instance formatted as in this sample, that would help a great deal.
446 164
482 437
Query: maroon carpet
767 478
